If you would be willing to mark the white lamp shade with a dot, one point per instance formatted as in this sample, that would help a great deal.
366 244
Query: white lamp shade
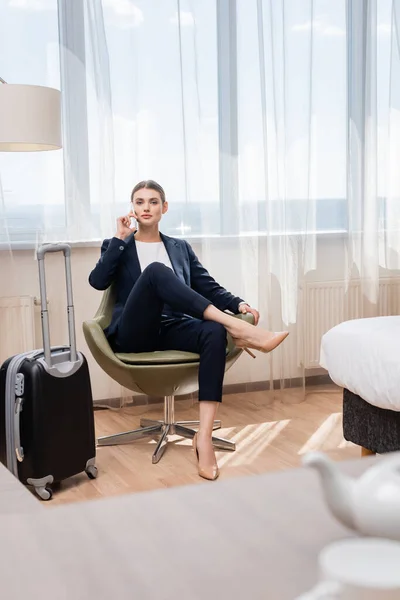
30 118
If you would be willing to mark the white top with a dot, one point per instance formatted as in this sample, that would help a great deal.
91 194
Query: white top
149 252
362 355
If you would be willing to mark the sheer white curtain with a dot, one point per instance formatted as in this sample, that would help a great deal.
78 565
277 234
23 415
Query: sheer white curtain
31 183
373 148
273 126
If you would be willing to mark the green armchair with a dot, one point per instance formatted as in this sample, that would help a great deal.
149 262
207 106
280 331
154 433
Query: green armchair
164 373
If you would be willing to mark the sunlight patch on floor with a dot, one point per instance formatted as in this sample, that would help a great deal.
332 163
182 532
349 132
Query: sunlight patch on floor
345 444
318 440
251 441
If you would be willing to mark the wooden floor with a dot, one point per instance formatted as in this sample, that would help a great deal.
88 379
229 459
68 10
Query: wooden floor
272 430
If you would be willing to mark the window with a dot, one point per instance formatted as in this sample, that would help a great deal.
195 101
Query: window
239 109
29 53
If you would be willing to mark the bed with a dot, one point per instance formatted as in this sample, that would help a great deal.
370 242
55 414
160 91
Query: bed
363 357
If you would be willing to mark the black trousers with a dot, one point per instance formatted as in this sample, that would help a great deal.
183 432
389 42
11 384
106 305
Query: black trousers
144 326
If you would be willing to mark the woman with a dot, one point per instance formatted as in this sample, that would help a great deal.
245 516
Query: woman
166 300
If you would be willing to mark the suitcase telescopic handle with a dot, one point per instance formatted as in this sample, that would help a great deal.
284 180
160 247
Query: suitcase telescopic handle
19 451
41 253
45 248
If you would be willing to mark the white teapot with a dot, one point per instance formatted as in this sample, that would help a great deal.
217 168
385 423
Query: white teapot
370 504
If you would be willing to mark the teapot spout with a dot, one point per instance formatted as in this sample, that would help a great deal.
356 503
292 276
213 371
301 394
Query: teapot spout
338 488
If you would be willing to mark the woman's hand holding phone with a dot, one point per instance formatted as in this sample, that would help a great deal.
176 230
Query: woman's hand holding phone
124 227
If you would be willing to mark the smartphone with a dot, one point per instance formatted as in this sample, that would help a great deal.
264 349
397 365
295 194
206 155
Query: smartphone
133 221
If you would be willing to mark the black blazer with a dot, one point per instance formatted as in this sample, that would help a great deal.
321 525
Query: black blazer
119 264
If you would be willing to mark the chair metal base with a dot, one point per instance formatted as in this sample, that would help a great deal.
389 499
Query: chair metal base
150 428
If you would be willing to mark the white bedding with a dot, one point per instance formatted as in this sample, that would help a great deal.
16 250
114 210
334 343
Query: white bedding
363 356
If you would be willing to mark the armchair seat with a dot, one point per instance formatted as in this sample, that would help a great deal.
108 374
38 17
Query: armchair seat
165 373
161 357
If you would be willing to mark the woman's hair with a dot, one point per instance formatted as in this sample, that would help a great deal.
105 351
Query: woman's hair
149 184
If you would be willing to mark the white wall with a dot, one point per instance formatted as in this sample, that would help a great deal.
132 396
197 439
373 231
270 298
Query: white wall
19 276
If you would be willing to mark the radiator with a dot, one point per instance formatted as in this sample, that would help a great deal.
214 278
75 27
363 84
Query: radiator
17 325
327 304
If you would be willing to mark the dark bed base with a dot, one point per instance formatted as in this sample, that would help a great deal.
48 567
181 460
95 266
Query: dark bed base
368 426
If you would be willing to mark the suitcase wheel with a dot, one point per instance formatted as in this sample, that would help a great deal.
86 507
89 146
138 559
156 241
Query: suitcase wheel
44 492
91 472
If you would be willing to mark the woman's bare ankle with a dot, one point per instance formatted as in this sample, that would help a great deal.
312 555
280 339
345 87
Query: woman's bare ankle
243 330
237 328
204 436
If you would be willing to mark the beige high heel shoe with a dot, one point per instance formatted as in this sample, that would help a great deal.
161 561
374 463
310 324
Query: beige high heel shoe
249 352
210 473
268 345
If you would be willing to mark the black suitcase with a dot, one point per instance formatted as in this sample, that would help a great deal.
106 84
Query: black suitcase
46 405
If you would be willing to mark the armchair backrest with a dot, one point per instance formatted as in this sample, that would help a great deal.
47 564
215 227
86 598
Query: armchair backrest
104 312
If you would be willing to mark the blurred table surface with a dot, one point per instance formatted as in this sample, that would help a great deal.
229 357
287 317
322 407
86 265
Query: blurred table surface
255 537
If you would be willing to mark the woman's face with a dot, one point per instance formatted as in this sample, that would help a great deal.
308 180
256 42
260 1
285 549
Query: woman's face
148 207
